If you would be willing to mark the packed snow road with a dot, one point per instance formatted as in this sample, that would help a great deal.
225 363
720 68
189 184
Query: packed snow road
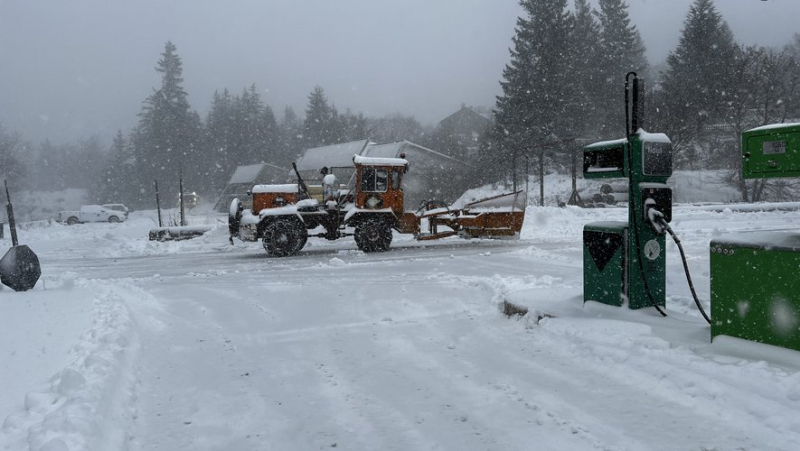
130 344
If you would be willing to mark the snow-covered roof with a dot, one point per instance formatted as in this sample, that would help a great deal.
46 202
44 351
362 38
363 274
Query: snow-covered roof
244 174
249 173
285 188
395 149
390 150
337 155
358 159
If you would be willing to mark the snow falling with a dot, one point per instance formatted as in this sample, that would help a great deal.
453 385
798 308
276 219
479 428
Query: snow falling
133 344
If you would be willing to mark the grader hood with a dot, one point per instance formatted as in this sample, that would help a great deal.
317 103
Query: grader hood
499 216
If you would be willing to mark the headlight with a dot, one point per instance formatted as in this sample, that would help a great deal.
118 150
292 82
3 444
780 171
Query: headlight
373 201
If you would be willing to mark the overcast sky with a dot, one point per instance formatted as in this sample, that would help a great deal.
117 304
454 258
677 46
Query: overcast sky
70 69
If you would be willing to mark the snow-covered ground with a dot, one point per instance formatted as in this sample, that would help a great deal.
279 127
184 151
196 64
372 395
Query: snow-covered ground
200 345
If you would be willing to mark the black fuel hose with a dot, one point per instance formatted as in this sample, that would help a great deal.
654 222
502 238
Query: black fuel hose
685 267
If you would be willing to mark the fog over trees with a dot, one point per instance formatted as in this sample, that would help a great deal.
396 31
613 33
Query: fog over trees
561 88
710 90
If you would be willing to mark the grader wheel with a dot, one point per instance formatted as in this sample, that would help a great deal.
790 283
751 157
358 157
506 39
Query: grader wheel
234 217
373 236
284 238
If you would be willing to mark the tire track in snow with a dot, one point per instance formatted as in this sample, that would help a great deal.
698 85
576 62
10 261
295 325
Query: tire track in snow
395 392
678 386
87 404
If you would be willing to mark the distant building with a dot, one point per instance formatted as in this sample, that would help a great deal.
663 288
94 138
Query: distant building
466 122
462 131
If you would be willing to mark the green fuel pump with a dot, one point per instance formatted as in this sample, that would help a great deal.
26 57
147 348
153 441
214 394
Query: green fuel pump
626 261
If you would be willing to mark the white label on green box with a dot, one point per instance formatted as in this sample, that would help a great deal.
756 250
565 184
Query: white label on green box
774 147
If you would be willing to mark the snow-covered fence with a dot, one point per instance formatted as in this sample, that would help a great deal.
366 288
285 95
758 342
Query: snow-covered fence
32 225
177 233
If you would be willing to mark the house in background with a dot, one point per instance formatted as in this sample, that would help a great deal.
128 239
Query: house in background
243 179
462 130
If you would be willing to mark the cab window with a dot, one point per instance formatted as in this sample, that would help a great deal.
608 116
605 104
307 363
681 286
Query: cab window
374 180
396 175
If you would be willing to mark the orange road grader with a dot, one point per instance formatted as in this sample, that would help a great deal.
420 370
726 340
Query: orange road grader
284 216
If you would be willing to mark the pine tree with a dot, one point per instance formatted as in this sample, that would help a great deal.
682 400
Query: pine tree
533 108
621 51
319 127
353 127
166 139
251 110
586 105
698 78
270 136
217 135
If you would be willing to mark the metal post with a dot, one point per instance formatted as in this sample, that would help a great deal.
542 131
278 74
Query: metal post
575 169
11 224
514 171
158 206
183 211
541 177
527 172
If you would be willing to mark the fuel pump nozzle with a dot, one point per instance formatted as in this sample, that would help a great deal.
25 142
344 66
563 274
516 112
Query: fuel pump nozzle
656 205
654 217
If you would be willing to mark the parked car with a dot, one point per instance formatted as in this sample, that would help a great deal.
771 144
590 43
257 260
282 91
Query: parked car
92 213
191 200
117 207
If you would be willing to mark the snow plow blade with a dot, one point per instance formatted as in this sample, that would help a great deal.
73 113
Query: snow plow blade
498 216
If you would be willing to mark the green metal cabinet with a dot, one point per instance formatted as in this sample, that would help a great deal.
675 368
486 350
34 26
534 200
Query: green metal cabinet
755 288
605 262
771 151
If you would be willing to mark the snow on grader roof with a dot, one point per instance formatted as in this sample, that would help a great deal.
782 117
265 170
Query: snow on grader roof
358 159
284 188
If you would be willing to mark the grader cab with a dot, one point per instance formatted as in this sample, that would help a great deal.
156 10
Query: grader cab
283 217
